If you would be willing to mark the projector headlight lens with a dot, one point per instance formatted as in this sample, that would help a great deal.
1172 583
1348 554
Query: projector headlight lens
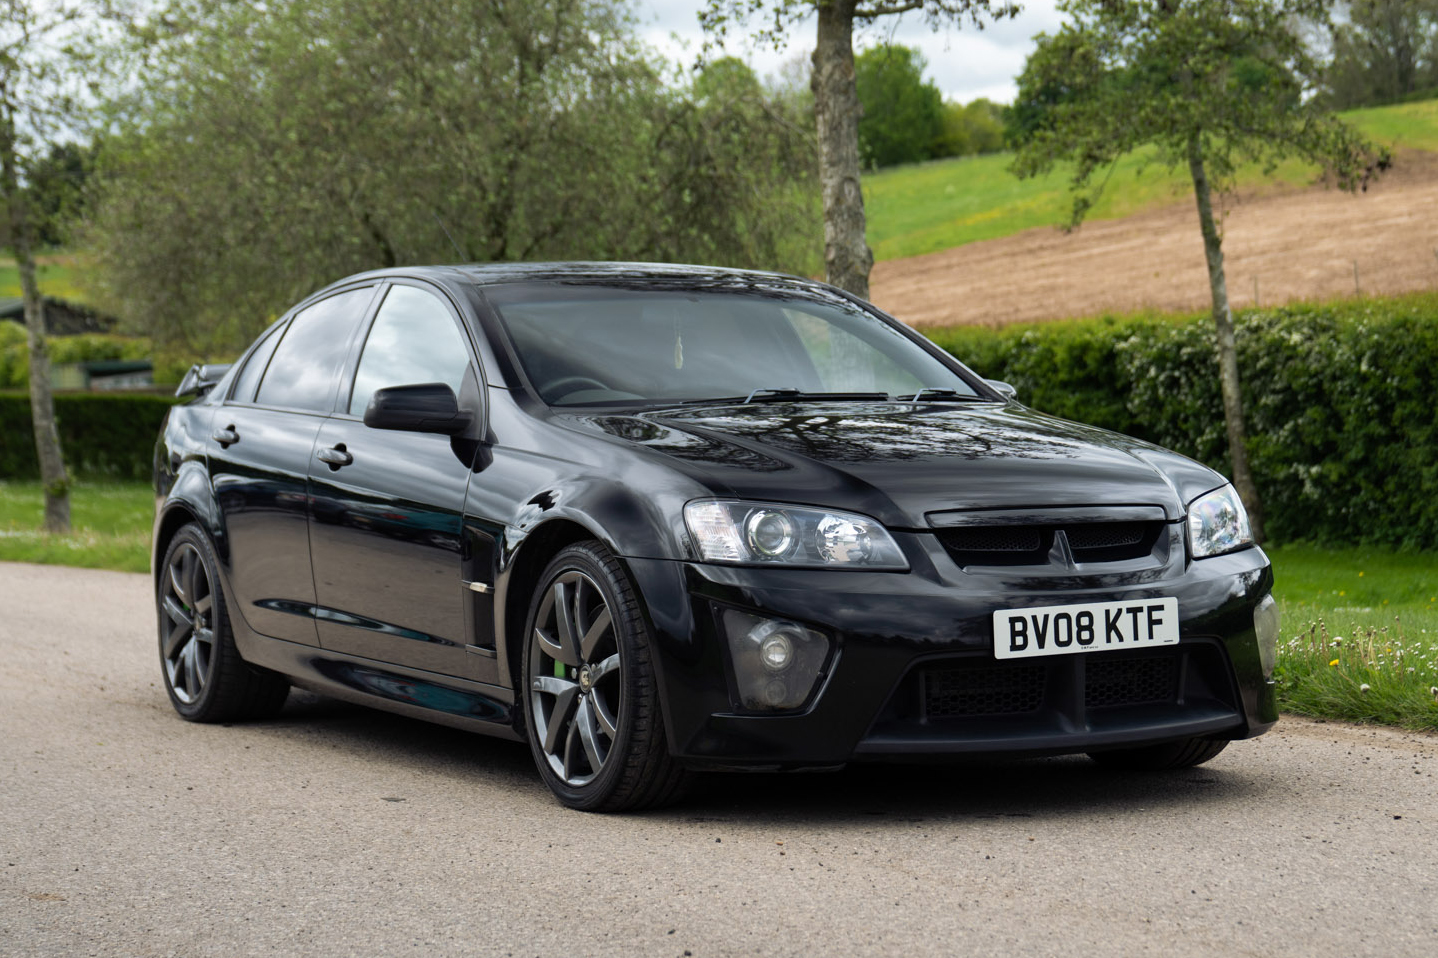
753 533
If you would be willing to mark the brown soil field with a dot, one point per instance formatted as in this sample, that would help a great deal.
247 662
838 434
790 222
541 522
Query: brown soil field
1299 245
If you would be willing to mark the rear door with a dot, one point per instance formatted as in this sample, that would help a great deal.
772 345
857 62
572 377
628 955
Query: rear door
261 444
386 526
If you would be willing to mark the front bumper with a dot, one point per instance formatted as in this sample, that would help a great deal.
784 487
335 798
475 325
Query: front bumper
914 677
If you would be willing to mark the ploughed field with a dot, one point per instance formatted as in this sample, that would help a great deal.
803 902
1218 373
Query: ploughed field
1298 245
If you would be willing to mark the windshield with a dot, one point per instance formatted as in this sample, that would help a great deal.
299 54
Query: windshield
600 345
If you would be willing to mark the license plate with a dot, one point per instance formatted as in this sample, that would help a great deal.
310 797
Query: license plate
1085 627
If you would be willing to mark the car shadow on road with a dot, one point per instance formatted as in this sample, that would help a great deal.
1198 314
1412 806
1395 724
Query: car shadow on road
870 795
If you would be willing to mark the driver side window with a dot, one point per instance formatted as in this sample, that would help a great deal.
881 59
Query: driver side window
413 340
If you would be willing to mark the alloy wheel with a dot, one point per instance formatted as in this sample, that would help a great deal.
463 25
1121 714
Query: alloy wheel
575 690
187 630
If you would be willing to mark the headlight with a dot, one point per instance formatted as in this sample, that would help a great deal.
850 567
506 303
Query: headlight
1217 523
755 533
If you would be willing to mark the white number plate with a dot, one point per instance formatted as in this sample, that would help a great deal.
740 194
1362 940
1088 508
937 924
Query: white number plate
1086 627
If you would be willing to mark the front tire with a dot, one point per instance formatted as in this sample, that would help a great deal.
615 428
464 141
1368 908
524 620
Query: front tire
1185 753
205 676
590 698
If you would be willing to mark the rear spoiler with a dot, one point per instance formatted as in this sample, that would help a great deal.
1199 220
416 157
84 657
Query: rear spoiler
201 379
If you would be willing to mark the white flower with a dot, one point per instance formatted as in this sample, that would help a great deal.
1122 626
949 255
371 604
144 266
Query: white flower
1365 687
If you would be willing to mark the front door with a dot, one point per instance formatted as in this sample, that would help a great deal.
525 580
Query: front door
385 529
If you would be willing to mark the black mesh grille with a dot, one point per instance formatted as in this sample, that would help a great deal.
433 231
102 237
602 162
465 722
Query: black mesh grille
954 692
997 539
1104 535
1130 681
1031 545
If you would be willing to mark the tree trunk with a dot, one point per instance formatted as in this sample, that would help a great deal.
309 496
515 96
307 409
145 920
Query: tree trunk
53 476
847 258
1227 349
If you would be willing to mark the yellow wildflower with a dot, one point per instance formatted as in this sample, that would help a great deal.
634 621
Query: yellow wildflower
1334 662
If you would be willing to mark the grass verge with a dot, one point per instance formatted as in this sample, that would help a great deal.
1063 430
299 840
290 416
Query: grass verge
111 526
1360 625
1360 634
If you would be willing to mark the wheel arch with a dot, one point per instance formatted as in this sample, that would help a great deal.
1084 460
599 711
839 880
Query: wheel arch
534 552
189 500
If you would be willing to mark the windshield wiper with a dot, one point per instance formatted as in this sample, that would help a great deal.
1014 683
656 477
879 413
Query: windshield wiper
773 394
783 394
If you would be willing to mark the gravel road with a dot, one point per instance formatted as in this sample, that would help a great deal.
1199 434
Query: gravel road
337 830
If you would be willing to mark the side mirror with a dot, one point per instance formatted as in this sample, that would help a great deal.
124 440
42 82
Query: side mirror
423 407
1002 388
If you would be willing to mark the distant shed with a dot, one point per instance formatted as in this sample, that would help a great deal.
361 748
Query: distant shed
62 317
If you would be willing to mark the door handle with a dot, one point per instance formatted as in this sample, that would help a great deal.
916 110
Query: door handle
226 437
335 456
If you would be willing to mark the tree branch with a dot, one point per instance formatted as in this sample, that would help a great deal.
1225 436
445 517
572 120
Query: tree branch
871 13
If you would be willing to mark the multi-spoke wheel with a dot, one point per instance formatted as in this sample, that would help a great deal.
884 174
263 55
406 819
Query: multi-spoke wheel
207 679
590 696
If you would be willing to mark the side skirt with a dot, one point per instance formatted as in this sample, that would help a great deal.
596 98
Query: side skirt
445 699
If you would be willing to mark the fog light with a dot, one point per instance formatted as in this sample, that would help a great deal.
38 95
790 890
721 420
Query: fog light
777 663
1265 626
776 652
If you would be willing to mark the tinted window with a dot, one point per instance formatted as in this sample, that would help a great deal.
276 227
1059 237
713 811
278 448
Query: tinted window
413 340
303 371
255 368
597 345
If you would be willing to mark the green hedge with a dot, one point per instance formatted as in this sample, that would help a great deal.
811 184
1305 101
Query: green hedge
1341 402
104 435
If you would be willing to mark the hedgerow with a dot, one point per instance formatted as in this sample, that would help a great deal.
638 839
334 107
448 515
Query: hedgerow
1339 400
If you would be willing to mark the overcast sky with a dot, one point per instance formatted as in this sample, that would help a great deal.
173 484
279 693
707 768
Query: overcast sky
963 63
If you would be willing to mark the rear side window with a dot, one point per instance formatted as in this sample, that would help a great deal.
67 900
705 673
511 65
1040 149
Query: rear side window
254 368
413 340
307 363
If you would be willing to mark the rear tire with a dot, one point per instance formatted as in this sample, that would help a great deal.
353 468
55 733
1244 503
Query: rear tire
1184 753
589 693
205 676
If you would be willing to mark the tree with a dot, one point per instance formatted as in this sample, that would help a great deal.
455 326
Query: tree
1386 51
903 115
975 128
847 257
265 150
1210 83
42 51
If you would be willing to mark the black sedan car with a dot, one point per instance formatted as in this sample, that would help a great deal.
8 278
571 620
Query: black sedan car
659 519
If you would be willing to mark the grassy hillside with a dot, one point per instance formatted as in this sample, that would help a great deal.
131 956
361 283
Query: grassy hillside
933 206
55 272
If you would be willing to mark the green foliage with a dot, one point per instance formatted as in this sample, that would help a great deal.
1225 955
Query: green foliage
103 435
87 347
1217 81
269 149
56 185
903 118
1386 51
977 127
1342 437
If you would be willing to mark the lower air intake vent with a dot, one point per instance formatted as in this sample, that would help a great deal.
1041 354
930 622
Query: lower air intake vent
955 692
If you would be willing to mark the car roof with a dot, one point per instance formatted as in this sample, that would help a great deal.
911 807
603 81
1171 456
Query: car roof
490 274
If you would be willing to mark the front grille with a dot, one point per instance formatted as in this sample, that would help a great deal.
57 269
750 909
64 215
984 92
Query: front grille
972 701
1032 544
973 687
956 691
1109 683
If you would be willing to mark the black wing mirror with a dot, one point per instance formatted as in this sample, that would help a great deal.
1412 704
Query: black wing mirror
423 407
